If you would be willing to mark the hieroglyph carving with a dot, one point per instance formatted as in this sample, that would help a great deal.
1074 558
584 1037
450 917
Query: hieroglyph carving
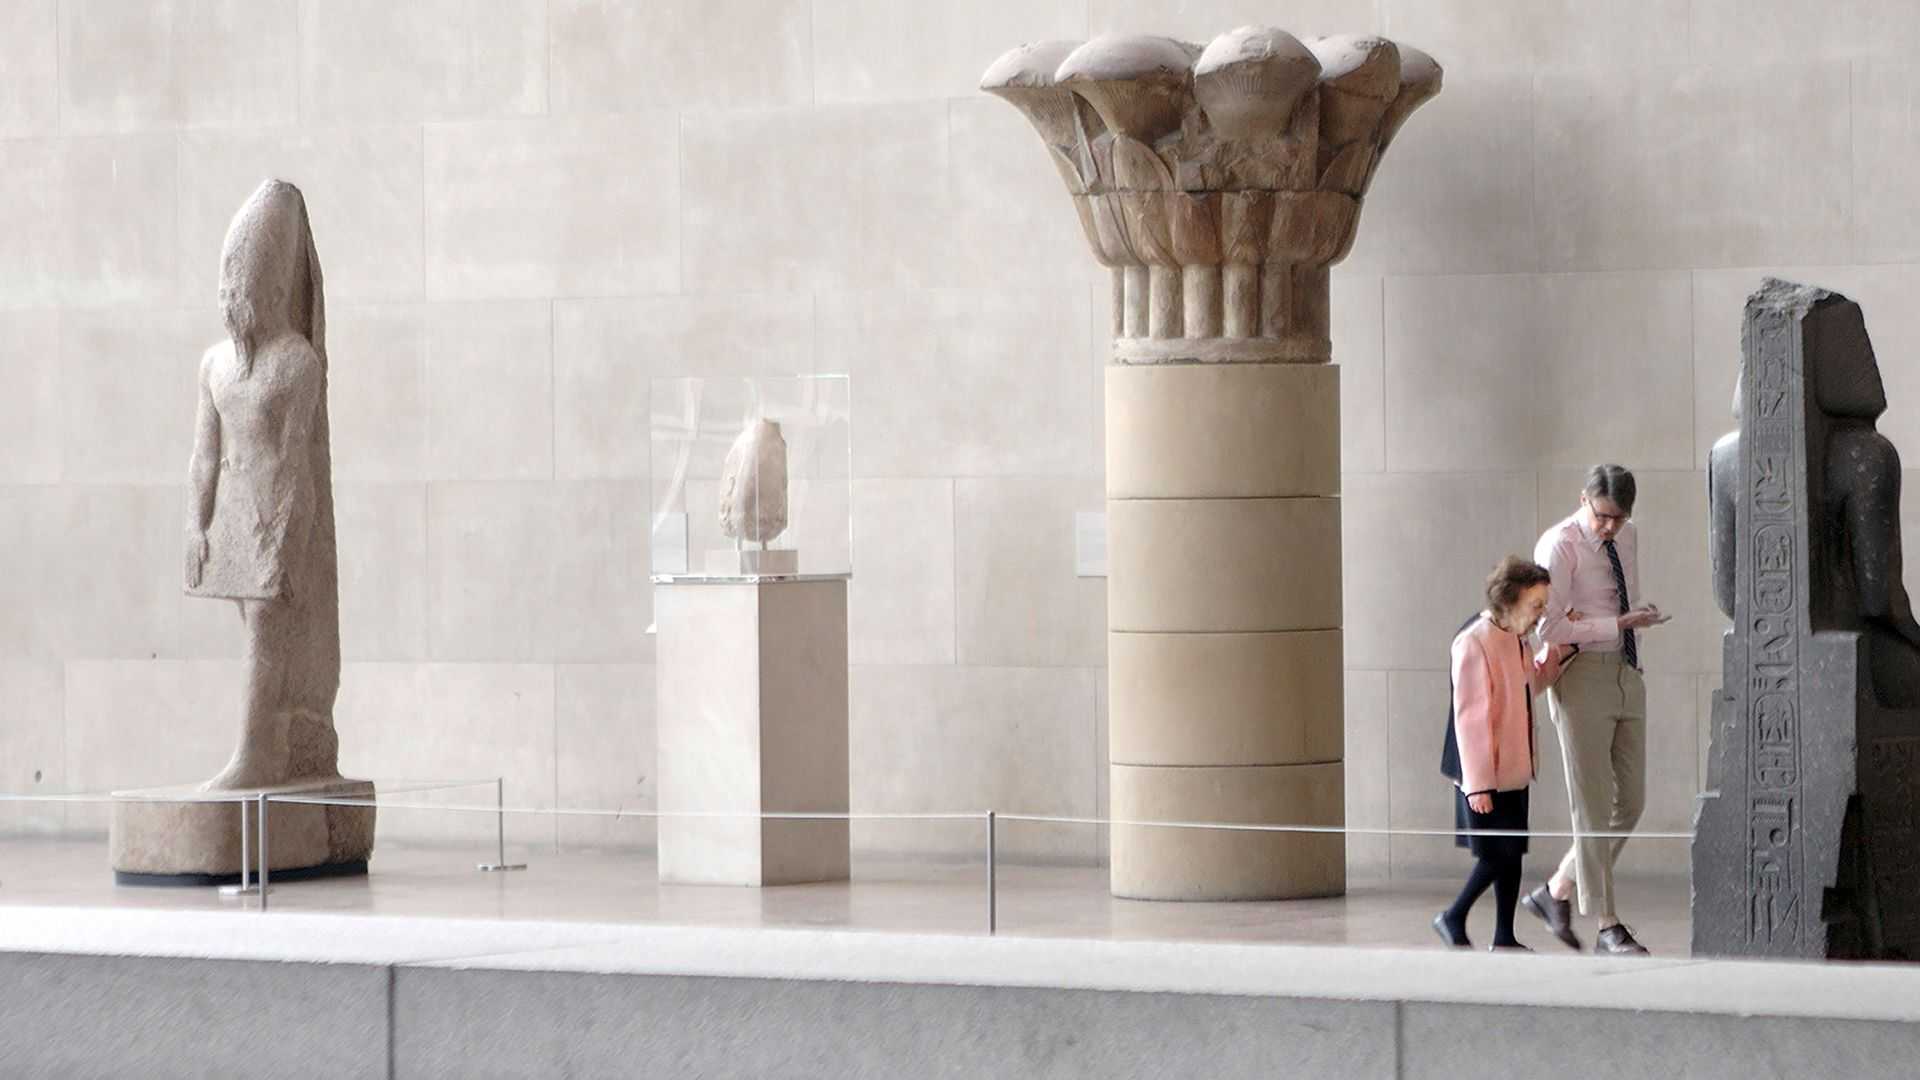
1776 859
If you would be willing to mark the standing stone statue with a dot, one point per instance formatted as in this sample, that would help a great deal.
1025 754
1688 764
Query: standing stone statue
260 532
260 498
1807 842
1218 185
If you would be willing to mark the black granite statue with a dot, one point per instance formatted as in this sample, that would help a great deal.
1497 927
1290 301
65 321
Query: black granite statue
1807 841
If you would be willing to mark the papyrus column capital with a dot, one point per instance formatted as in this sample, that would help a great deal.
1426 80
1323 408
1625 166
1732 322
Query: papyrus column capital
1218 183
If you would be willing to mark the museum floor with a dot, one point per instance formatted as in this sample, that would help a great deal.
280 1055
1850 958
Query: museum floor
887 894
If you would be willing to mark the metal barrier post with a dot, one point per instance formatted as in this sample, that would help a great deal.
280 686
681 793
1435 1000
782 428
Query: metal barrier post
993 897
246 886
261 877
499 862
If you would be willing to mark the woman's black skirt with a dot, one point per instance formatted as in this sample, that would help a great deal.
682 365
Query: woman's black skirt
1509 812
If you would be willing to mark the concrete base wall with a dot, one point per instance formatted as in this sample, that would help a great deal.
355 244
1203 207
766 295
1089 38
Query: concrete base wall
162 1018
500 1023
86 1016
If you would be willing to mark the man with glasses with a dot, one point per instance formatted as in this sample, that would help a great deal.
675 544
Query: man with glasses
1600 704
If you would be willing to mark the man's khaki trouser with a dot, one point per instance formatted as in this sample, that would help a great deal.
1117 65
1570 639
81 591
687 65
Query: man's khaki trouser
1600 706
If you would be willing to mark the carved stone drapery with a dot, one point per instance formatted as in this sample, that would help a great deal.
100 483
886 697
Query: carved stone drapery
1218 185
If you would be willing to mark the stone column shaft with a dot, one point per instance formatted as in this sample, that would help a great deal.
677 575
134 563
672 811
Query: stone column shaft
1224 653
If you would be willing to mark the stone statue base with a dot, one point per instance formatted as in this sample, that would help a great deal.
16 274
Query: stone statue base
1849 894
160 836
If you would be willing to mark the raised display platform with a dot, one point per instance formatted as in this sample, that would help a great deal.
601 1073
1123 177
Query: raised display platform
584 966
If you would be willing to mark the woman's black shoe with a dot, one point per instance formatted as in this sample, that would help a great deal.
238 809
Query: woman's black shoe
1448 934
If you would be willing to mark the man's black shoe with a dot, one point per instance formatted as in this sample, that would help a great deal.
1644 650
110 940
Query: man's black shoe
1557 914
1617 940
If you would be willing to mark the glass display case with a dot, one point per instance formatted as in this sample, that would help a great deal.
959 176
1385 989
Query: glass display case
752 478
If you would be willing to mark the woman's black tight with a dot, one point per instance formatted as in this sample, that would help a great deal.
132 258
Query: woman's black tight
1504 876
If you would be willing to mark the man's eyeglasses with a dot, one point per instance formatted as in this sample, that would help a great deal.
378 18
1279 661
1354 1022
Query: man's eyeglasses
1618 519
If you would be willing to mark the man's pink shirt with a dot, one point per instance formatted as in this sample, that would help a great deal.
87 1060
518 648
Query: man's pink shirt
1583 582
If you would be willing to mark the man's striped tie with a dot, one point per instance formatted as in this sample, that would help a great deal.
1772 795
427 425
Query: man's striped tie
1628 647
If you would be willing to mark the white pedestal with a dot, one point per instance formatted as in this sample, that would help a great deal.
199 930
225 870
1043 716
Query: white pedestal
752 718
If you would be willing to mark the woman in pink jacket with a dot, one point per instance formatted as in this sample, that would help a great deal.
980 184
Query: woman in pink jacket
1490 751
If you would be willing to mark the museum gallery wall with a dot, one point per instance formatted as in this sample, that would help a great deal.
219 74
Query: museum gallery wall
529 213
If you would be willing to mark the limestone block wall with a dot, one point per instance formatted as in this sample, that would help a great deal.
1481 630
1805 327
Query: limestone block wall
528 208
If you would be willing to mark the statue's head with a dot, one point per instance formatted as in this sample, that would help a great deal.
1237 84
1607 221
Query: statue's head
269 273
1846 377
1842 373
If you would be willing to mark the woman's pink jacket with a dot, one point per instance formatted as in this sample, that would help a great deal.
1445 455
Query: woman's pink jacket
1495 677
